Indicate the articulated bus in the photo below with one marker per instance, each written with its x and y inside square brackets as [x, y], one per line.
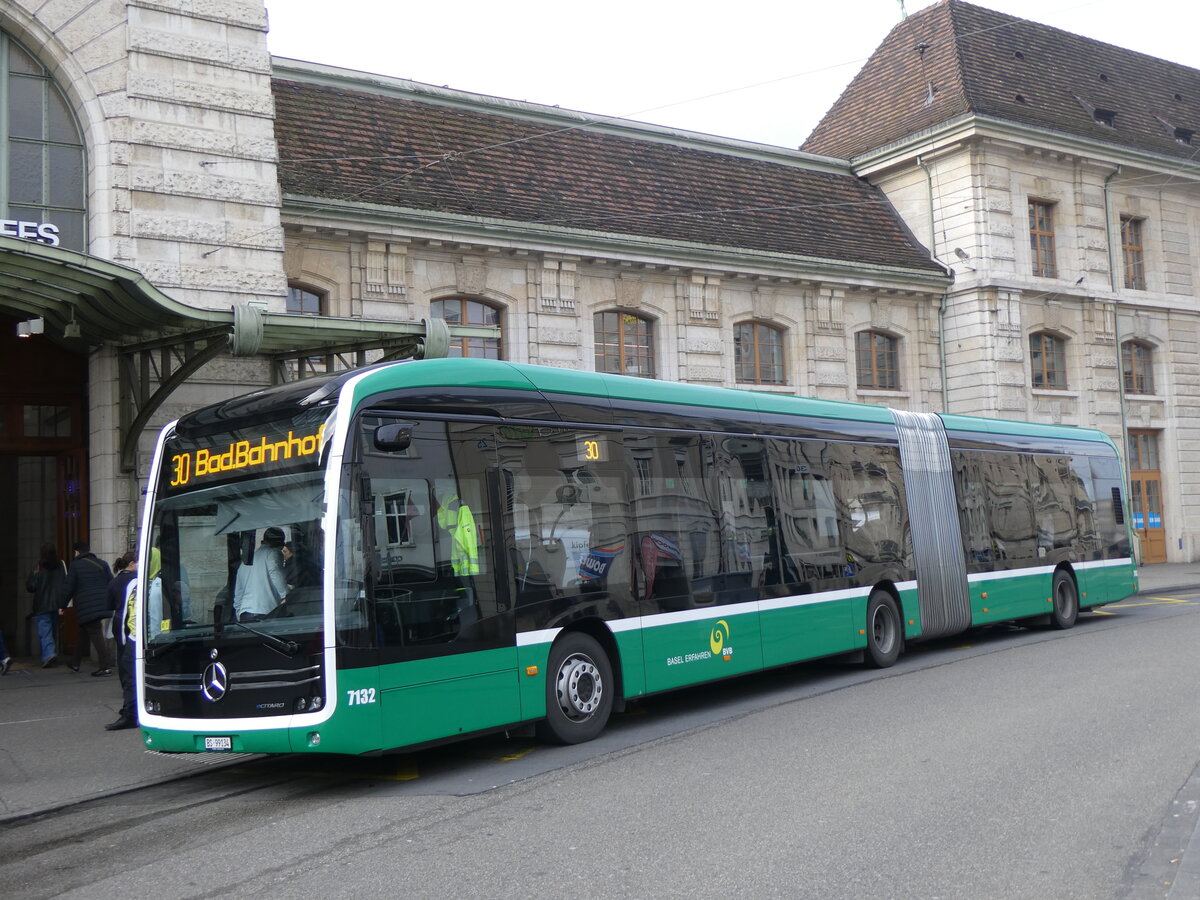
[475, 544]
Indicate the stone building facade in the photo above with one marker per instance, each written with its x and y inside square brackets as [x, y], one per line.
[1057, 176]
[222, 219]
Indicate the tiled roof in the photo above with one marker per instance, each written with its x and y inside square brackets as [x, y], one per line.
[978, 61]
[472, 159]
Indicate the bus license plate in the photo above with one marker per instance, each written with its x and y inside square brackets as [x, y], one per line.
[218, 743]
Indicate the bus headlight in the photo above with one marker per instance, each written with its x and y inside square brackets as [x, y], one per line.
[301, 704]
[316, 703]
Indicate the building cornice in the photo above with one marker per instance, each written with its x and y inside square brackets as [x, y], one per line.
[964, 128]
[510, 234]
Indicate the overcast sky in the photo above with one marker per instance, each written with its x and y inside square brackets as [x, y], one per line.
[759, 70]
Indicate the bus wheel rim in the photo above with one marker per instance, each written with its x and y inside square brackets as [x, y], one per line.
[579, 687]
[1062, 599]
[883, 628]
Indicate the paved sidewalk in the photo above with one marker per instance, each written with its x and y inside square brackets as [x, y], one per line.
[54, 750]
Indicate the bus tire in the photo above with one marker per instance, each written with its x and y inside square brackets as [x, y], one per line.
[579, 690]
[884, 632]
[1065, 599]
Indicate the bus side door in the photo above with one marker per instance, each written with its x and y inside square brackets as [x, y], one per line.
[447, 655]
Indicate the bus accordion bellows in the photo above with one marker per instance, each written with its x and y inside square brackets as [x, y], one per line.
[416, 551]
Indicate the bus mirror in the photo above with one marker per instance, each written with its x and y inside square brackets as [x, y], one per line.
[393, 437]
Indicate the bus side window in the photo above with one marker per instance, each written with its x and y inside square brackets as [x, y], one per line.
[1108, 489]
[1053, 503]
[809, 540]
[565, 520]
[973, 514]
[1009, 508]
[428, 521]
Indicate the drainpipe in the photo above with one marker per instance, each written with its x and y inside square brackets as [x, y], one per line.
[1112, 280]
[946, 295]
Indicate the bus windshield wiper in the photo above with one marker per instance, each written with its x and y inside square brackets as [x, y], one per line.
[287, 648]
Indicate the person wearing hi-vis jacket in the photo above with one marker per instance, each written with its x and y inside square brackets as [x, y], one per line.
[456, 517]
[457, 520]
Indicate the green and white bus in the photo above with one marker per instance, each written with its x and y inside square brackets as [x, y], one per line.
[474, 544]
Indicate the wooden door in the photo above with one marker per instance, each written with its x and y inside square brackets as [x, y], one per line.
[1146, 500]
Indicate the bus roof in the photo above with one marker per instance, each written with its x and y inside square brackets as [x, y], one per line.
[484, 373]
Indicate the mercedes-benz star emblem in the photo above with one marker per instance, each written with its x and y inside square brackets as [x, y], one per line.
[215, 682]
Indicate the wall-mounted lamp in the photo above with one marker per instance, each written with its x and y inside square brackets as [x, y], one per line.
[963, 255]
[31, 327]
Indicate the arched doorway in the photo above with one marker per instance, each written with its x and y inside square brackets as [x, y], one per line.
[43, 466]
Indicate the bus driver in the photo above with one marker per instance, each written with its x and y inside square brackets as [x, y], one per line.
[261, 584]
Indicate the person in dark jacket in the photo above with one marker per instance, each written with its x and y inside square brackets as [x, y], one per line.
[118, 599]
[87, 587]
[46, 584]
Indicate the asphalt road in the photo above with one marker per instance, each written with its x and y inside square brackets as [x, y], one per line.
[1004, 763]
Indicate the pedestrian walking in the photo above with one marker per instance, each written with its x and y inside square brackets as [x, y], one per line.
[87, 588]
[46, 583]
[5, 659]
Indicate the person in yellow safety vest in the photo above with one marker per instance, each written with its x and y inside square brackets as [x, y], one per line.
[456, 517]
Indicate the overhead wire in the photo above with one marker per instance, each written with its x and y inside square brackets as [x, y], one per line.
[445, 157]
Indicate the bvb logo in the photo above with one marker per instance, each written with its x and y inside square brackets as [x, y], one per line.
[716, 640]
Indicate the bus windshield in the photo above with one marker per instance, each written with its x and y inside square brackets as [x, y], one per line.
[231, 549]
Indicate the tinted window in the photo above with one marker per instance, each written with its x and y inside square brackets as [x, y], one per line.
[567, 543]
[428, 535]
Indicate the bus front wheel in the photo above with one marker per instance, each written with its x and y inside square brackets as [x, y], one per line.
[1066, 601]
[884, 633]
[579, 690]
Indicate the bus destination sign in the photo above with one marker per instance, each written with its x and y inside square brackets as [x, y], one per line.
[243, 456]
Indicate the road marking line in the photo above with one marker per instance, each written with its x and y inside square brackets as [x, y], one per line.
[1155, 601]
[518, 755]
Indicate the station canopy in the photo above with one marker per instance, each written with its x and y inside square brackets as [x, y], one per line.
[85, 300]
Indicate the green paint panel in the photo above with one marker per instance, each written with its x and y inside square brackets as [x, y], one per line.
[426, 712]
[443, 668]
[354, 726]
[690, 652]
[910, 610]
[465, 374]
[1109, 584]
[633, 664]
[1028, 429]
[1020, 596]
[532, 688]
[427, 699]
[804, 632]
[443, 372]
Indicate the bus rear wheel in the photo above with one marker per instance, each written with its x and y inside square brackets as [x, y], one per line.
[884, 634]
[579, 690]
[1066, 601]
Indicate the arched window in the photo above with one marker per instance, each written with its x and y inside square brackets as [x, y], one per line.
[624, 344]
[1137, 367]
[877, 359]
[42, 153]
[758, 353]
[1048, 361]
[303, 302]
[461, 311]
